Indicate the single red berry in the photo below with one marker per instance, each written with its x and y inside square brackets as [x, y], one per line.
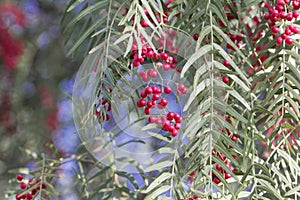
[227, 176]
[156, 56]
[152, 73]
[164, 56]
[177, 126]
[295, 14]
[149, 104]
[177, 117]
[218, 167]
[142, 102]
[148, 90]
[150, 54]
[147, 111]
[151, 119]
[166, 66]
[216, 180]
[164, 102]
[196, 36]
[135, 63]
[155, 97]
[29, 196]
[184, 90]
[144, 23]
[170, 116]
[143, 94]
[167, 89]
[225, 79]
[278, 40]
[275, 29]
[287, 31]
[289, 41]
[180, 87]
[19, 177]
[23, 185]
[174, 133]
[233, 138]
[289, 16]
[226, 63]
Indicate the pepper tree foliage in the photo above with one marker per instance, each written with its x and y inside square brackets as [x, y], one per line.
[250, 135]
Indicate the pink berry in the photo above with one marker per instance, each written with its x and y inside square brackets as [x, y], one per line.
[170, 116]
[177, 126]
[225, 79]
[184, 90]
[152, 73]
[164, 56]
[19, 177]
[167, 89]
[287, 31]
[289, 41]
[295, 14]
[275, 29]
[289, 16]
[144, 23]
[216, 180]
[135, 63]
[23, 185]
[148, 90]
[278, 40]
[147, 111]
[156, 56]
[158, 121]
[143, 94]
[174, 133]
[227, 176]
[164, 102]
[166, 66]
[180, 87]
[150, 54]
[196, 36]
[155, 97]
[226, 63]
[151, 119]
[142, 102]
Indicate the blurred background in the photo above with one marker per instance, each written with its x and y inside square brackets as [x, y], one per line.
[36, 85]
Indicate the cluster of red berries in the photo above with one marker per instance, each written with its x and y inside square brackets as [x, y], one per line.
[33, 185]
[170, 122]
[151, 96]
[283, 10]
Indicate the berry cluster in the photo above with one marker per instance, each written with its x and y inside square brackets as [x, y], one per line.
[33, 184]
[283, 10]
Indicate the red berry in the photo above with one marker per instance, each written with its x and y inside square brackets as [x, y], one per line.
[147, 111]
[150, 54]
[218, 167]
[227, 176]
[142, 102]
[164, 102]
[23, 185]
[275, 29]
[149, 104]
[144, 23]
[289, 41]
[233, 138]
[155, 97]
[135, 63]
[151, 119]
[180, 87]
[177, 126]
[177, 117]
[225, 79]
[143, 94]
[216, 180]
[170, 116]
[174, 133]
[167, 89]
[196, 36]
[19, 177]
[226, 63]
[152, 73]
[156, 56]
[289, 16]
[278, 40]
[166, 66]
[164, 56]
[148, 90]
[287, 31]
[184, 90]
[295, 14]
[29, 196]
